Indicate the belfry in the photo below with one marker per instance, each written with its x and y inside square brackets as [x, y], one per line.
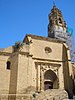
[56, 22]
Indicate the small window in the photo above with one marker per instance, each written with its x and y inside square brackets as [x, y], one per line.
[48, 50]
[8, 64]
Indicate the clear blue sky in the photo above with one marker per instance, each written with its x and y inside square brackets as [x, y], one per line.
[19, 17]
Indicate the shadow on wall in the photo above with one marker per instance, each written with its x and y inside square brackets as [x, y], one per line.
[73, 85]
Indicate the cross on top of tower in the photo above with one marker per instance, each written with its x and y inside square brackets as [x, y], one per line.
[53, 2]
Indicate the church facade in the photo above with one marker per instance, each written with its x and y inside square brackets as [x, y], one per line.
[39, 62]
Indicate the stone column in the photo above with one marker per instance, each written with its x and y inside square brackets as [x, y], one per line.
[42, 80]
[61, 78]
[38, 77]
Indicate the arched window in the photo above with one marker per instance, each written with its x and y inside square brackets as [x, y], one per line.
[8, 65]
[60, 21]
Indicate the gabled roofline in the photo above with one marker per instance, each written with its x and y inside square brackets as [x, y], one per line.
[43, 38]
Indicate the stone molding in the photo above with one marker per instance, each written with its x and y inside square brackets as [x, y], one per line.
[47, 59]
[5, 53]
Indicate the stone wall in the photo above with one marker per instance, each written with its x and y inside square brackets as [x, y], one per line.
[4, 75]
[54, 94]
[37, 49]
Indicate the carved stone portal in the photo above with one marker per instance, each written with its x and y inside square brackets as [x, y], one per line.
[46, 76]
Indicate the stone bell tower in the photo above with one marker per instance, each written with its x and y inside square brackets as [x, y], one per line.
[56, 23]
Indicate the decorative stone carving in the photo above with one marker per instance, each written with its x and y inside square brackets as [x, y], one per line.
[41, 69]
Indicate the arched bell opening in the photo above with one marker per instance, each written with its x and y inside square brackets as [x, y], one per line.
[50, 80]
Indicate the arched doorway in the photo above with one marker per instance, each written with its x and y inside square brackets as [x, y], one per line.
[50, 80]
[48, 85]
